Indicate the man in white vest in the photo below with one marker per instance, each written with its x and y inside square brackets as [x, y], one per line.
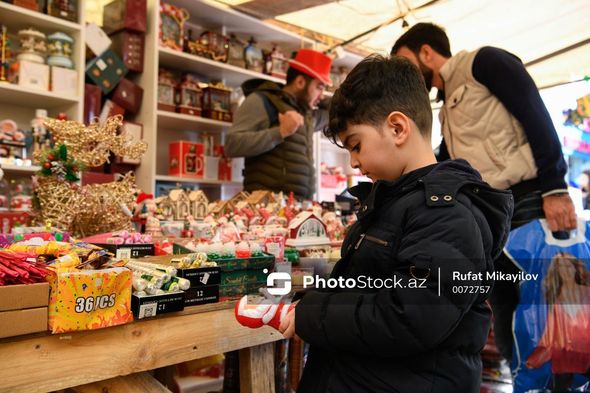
[493, 116]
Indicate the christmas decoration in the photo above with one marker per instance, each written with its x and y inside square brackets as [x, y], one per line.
[92, 144]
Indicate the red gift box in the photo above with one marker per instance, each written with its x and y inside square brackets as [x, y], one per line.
[186, 159]
[110, 109]
[92, 102]
[224, 163]
[130, 47]
[125, 14]
[128, 95]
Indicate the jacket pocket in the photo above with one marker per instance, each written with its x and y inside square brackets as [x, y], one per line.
[494, 153]
[457, 96]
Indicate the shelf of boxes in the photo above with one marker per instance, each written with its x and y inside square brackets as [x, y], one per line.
[18, 103]
[20, 169]
[214, 70]
[180, 122]
[11, 94]
[163, 127]
[15, 17]
[188, 180]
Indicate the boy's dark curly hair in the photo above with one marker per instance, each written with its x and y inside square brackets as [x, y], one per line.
[376, 87]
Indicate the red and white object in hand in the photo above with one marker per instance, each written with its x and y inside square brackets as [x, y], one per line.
[260, 314]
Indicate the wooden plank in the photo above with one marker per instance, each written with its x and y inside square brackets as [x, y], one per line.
[257, 370]
[134, 383]
[47, 363]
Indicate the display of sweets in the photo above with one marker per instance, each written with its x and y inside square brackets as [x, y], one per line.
[193, 261]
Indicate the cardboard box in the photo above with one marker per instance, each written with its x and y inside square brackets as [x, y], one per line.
[16, 297]
[96, 39]
[110, 109]
[186, 159]
[92, 102]
[125, 14]
[134, 131]
[201, 295]
[130, 47]
[106, 70]
[64, 81]
[200, 277]
[126, 251]
[17, 322]
[33, 75]
[150, 306]
[128, 95]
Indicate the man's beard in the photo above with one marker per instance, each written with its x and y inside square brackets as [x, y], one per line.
[427, 74]
[303, 99]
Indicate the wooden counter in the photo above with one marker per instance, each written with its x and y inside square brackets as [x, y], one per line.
[45, 362]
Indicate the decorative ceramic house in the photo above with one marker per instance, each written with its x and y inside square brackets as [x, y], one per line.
[190, 96]
[261, 197]
[199, 202]
[307, 230]
[217, 46]
[166, 90]
[217, 102]
[165, 207]
[180, 203]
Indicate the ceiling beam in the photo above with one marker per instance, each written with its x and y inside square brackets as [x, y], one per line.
[268, 9]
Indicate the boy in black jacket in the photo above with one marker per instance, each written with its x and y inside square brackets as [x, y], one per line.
[426, 237]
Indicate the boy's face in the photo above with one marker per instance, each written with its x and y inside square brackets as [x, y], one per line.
[373, 151]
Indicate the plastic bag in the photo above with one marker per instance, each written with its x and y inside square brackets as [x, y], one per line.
[552, 320]
[89, 299]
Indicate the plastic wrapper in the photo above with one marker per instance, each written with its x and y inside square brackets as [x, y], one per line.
[552, 320]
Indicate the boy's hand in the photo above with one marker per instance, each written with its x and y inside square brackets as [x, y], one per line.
[287, 326]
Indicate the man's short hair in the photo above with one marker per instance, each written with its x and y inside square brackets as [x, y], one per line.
[292, 73]
[376, 87]
[424, 33]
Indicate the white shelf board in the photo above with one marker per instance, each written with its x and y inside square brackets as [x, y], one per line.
[18, 18]
[233, 76]
[11, 94]
[20, 168]
[181, 122]
[214, 15]
[180, 179]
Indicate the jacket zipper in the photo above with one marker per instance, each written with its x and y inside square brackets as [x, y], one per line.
[371, 239]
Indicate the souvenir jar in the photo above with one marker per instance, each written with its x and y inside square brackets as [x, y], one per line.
[253, 57]
[60, 46]
[32, 46]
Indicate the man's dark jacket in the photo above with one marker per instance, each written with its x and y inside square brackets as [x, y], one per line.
[428, 224]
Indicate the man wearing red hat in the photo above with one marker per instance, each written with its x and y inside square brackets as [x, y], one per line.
[273, 128]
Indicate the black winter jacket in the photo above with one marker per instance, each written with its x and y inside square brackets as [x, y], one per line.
[424, 226]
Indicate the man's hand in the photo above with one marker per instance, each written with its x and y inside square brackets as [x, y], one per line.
[287, 326]
[559, 212]
[289, 122]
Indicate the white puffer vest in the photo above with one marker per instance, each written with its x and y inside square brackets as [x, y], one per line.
[478, 128]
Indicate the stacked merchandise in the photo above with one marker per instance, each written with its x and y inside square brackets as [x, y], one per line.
[118, 58]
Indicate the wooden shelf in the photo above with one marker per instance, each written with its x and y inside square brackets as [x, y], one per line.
[180, 179]
[214, 70]
[18, 18]
[52, 362]
[20, 168]
[180, 122]
[11, 94]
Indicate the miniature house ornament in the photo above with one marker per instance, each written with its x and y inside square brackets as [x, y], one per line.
[166, 91]
[190, 96]
[172, 21]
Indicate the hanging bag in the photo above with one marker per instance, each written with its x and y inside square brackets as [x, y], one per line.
[552, 320]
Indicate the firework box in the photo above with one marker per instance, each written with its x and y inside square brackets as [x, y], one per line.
[126, 251]
[152, 305]
[89, 299]
[195, 296]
